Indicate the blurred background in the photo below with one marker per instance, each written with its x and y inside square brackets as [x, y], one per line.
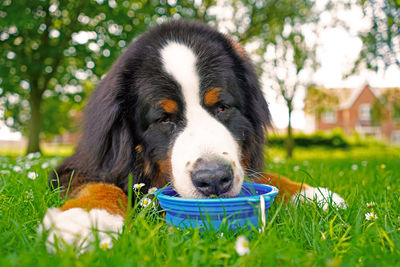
[330, 70]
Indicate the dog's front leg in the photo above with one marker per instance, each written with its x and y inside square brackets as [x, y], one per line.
[95, 212]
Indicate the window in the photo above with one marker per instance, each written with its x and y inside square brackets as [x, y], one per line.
[396, 137]
[396, 113]
[364, 112]
[329, 116]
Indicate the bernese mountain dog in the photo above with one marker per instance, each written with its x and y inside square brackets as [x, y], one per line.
[182, 105]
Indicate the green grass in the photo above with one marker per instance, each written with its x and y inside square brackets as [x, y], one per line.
[48, 149]
[295, 235]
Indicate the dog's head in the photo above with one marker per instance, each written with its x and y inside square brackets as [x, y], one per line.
[183, 104]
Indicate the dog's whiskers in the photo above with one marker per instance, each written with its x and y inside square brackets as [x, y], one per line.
[251, 173]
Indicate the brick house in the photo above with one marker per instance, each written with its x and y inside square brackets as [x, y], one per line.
[354, 113]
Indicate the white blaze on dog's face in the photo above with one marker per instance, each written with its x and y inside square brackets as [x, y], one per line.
[204, 137]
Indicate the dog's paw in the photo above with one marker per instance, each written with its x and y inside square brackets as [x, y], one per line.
[321, 196]
[79, 228]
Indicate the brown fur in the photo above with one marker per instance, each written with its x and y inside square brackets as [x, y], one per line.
[168, 105]
[287, 188]
[211, 97]
[98, 196]
[238, 48]
[165, 171]
[139, 149]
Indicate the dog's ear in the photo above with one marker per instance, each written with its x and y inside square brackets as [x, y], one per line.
[107, 141]
[256, 108]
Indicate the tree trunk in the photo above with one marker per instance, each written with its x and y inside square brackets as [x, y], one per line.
[289, 142]
[35, 121]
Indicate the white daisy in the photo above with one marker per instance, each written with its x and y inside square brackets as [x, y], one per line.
[354, 167]
[30, 155]
[106, 244]
[242, 245]
[17, 169]
[32, 175]
[145, 202]
[364, 163]
[45, 165]
[371, 204]
[138, 186]
[296, 168]
[4, 172]
[370, 216]
[152, 190]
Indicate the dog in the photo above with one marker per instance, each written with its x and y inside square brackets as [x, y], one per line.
[182, 105]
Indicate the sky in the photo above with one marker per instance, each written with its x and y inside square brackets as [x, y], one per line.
[338, 49]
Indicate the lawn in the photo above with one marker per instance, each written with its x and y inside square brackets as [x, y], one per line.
[301, 234]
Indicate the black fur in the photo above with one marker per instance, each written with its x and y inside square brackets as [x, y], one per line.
[122, 112]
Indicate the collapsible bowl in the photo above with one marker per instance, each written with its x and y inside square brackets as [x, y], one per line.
[217, 213]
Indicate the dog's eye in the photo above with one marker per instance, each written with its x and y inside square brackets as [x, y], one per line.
[165, 120]
[220, 108]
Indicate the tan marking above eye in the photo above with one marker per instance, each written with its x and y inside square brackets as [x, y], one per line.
[139, 148]
[168, 105]
[211, 97]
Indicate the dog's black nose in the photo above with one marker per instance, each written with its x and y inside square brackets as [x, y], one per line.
[212, 177]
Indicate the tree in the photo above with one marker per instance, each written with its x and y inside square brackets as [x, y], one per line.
[381, 43]
[262, 23]
[387, 107]
[286, 70]
[52, 52]
[318, 100]
[281, 54]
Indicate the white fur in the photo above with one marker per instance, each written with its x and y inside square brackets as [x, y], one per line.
[204, 136]
[322, 196]
[75, 227]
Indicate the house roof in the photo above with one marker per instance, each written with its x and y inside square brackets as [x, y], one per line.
[345, 97]
[348, 96]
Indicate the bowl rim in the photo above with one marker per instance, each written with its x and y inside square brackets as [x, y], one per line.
[274, 191]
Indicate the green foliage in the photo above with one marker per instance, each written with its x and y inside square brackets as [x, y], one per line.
[265, 20]
[378, 112]
[333, 139]
[391, 99]
[381, 41]
[301, 234]
[319, 100]
[387, 107]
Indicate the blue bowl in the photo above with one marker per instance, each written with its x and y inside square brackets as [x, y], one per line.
[217, 213]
